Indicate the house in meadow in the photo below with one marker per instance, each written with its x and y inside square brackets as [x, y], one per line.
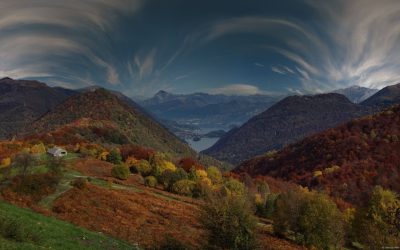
[57, 152]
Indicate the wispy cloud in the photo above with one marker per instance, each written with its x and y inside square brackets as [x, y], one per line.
[34, 41]
[353, 43]
[278, 70]
[237, 89]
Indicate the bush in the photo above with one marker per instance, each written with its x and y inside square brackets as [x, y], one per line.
[314, 218]
[184, 187]
[80, 183]
[142, 167]
[171, 243]
[150, 181]
[120, 172]
[230, 223]
[114, 157]
[17, 230]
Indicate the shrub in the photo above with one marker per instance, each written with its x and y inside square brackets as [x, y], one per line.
[171, 243]
[114, 157]
[80, 183]
[17, 230]
[150, 181]
[184, 187]
[120, 172]
[230, 223]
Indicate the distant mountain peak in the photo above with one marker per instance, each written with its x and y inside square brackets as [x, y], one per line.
[6, 79]
[356, 93]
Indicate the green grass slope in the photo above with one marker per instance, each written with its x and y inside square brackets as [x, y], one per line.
[51, 233]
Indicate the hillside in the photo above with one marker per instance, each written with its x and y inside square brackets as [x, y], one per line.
[347, 161]
[289, 120]
[22, 101]
[386, 97]
[54, 234]
[103, 109]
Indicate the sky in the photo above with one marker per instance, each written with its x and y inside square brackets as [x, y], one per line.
[239, 47]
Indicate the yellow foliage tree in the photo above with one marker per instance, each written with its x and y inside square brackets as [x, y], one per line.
[131, 161]
[38, 149]
[167, 165]
[5, 162]
[201, 174]
[103, 155]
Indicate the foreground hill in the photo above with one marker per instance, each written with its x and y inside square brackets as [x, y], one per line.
[289, 120]
[122, 123]
[51, 233]
[22, 101]
[386, 97]
[347, 161]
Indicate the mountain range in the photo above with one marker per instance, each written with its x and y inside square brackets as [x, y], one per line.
[201, 110]
[23, 101]
[287, 121]
[346, 161]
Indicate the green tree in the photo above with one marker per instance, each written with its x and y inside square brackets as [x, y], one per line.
[114, 157]
[143, 167]
[372, 224]
[235, 187]
[229, 221]
[24, 162]
[150, 181]
[120, 172]
[184, 187]
[315, 219]
[169, 177]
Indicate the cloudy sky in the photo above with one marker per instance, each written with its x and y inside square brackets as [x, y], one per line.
[235, 47]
